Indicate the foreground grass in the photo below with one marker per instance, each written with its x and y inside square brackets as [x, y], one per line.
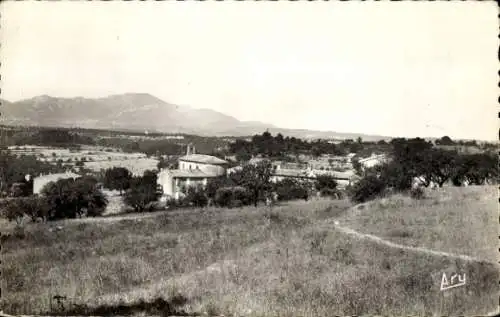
[452, 219]
[248, 261]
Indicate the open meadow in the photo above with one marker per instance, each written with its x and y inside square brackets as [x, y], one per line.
[460, 220]
[288, 260]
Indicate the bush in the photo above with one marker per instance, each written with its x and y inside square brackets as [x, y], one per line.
[195, 196]
[142, 192]
[232, 197]
[369, 187]
[289, 189]
[325, 181]
[417, 193]
[19, 208]
[223, 197]
[331, 192]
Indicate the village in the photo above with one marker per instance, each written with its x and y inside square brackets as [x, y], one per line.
[193, 169]
[249, 158]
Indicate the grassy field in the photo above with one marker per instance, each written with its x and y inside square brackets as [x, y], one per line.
[250, 261]
[452, 219]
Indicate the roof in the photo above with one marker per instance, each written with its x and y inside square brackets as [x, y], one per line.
[202, 158]
[373, 157]
[194, 173]
[338, 175]
[313, 174]
[293, 173]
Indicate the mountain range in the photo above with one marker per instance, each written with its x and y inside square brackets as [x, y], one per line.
[139, 112]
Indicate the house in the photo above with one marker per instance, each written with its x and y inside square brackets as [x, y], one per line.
[194, 169]
[343, 179]
[280, 174]
[373, 160]
[42, 180]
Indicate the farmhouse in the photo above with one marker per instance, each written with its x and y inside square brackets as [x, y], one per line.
[194, 169]
[42, 180]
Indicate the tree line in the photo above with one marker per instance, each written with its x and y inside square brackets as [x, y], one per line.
[83, 197]
[418, 160]
[281, 147]
[13, 170]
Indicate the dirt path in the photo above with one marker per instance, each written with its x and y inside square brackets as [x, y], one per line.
[390, 244]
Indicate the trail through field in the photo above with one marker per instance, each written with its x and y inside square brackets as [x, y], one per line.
[390, 244]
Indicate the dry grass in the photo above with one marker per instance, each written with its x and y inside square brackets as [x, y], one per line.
[247, 261]
[451, 219]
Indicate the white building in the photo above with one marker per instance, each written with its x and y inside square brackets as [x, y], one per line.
[42, 180]
[373, 160]
[194, 169]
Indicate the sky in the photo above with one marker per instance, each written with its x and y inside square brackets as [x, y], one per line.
[395, 69]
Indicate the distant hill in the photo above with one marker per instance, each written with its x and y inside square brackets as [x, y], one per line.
[140, 111]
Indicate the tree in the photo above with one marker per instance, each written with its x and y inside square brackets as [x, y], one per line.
[33, 207]
[439, 165]
[326, 185]
[409, 159]
[289, 189]
[395, 175]
[356, 165]
[369, 187]
[445, 140]
[256, 178]
[215, 183]
[382, 142]
[475, 169]
[14, 169]
[70, 198]
[142, 192]
[117, 178]
[243, 156]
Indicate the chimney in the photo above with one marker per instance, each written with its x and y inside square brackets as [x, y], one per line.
[188, 150]
[193, 149]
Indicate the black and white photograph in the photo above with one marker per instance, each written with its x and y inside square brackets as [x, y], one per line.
[249, 158]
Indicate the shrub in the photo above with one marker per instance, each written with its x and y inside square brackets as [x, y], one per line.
[331, 192]
[19, 208]
[232, 197]
[223, 197]
[326, 185]
[289, 189]
[196, 197]
[325, 181]
[417, 193]
[369, 187]
[142, 191]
